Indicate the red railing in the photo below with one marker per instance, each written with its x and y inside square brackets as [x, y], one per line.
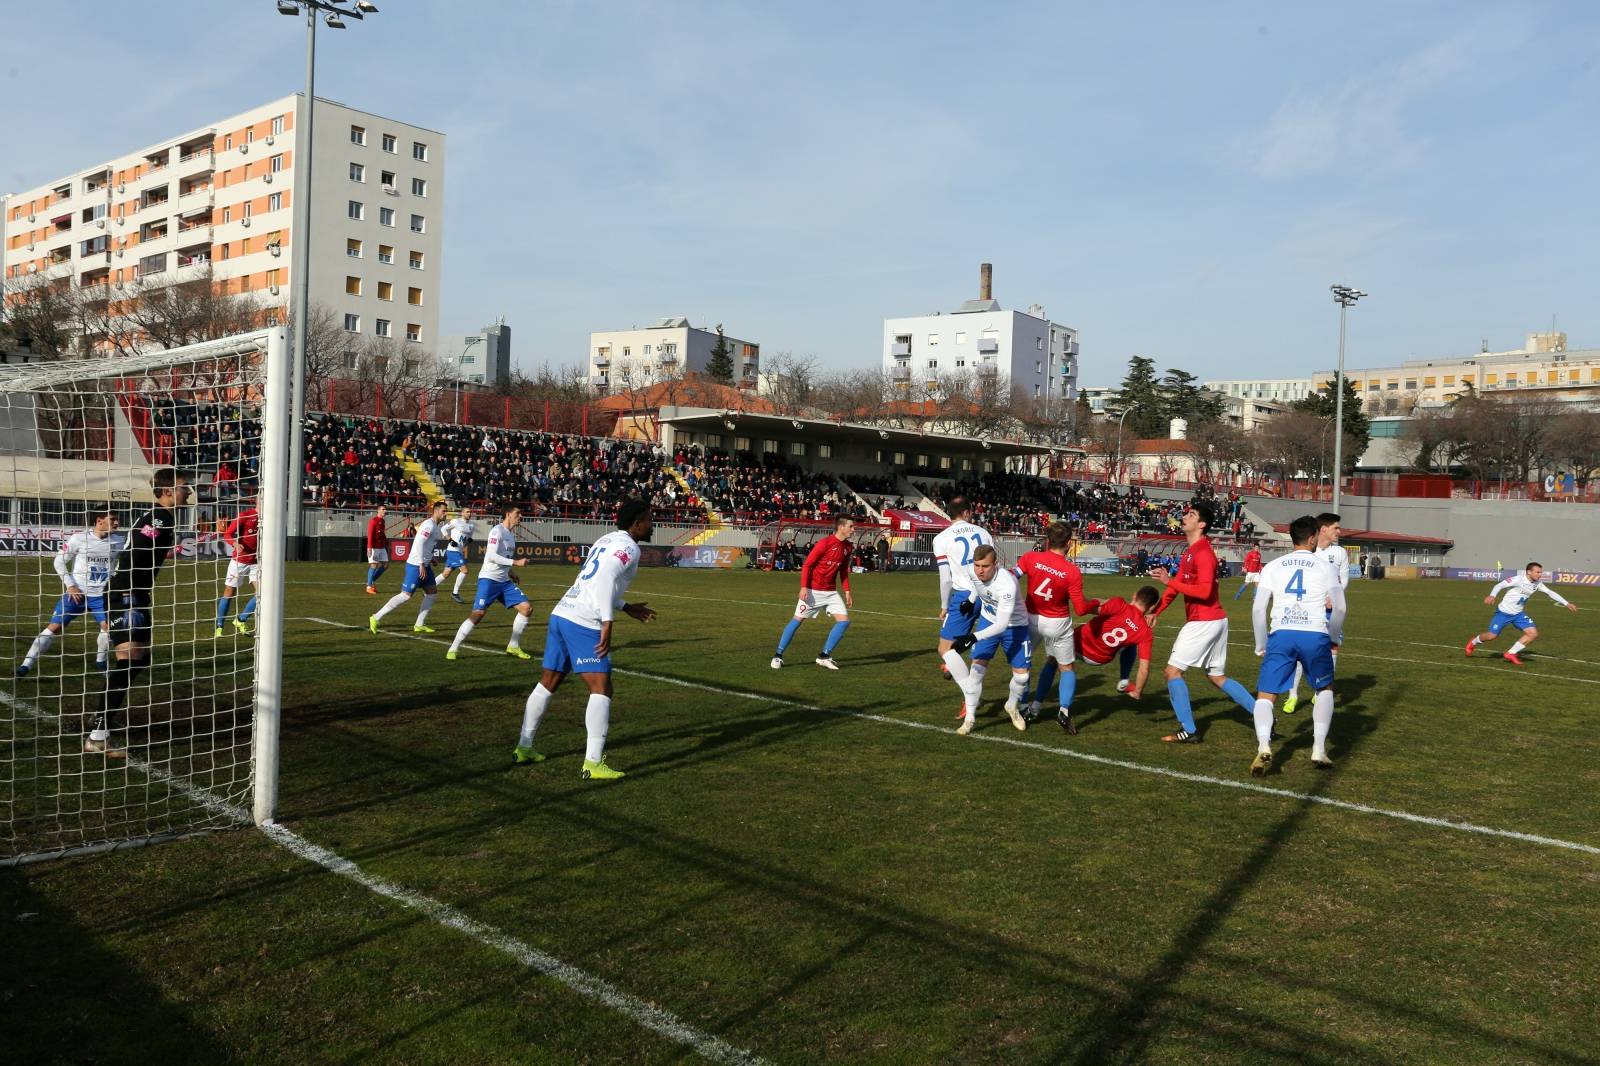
[463, 407]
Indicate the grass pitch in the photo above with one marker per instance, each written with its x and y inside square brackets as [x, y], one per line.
[794, 868]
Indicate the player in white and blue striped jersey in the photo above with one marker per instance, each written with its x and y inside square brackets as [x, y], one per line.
[1293, 601]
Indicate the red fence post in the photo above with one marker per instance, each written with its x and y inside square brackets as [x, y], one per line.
[505, 418]
[547, 415]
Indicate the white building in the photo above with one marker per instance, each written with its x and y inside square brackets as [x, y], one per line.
[1038, 356]
[1098, 397]
[221, 196]
[1543, 367]
[1274, 390]
[635, 358]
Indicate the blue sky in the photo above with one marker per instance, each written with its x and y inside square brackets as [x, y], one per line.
[1176, 180]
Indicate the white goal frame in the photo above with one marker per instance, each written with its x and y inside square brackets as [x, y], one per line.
[271, 346]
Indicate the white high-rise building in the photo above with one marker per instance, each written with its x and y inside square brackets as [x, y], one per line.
[220, 197]
[670, 348]
[1039, 357]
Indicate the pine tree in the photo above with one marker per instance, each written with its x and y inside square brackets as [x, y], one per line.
[1141, 392]
[1357, 426]
[719, 367]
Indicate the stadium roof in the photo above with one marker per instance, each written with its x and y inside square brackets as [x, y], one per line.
[1379, 536]
[821, 429]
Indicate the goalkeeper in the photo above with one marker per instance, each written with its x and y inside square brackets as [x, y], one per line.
[151, 537]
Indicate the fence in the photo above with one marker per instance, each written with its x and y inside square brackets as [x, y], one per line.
[466, 407]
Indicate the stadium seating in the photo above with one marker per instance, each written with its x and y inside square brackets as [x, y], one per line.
[751, 491]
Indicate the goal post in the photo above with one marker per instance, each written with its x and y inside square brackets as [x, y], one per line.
[141, 663]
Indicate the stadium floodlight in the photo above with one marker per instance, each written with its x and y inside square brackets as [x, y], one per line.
[191, 725]
[1345, 297]
[367, 6]
[300, 253]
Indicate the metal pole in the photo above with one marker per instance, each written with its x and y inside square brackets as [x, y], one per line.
[1338, 413]
[275, 483]
[300, 267]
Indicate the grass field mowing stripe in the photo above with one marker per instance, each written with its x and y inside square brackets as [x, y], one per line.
[1123, 764]
[645, 1014]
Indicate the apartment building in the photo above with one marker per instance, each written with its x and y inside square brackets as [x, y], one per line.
[1273, 390]
[481, 358]
[1039, 357]
[221, 196]
[670, 348]
[1543, 367]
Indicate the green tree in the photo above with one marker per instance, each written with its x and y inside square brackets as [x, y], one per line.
[1357, 426]
[1185, 399]
[1141, 395]
[719, 367]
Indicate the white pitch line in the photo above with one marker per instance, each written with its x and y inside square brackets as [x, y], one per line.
[586, 985]
[1123, 764]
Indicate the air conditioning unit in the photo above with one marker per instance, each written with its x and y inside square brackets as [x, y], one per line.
[244, 149]
[270, 139]
[101, 224]
[267, 178]
[30, 246]
[122, 186]
[273, 289]
[121, 221]
[245, 222]
[32, 217]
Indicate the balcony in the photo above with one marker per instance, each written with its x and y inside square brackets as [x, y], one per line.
[900, 374]
[900, 349]
[202, 161]
[988, 344]
[668, 358]
[602, 359]
[148, 201]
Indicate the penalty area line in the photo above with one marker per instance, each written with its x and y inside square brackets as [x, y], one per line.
[586, 985]
[1069, 753]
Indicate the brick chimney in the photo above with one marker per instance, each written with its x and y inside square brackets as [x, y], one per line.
[986, 281]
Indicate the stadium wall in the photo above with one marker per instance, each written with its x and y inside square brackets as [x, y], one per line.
[1487, 533]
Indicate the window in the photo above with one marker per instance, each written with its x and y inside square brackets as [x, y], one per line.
[352, 286]
[416, 260]
[419, 151]
[349, 360]
[275, 201]
[741, 444]
[388, 143]
[386, 179]
[1038, 344]
[413, 332]
[1411, 384]
[1449, 380]
[358, 135]
[769, 447]
[277, 125]
[933, 339]
[960, 363]
[381, 327]
[385, 290]
[414, 296]
[358, 172]
[245, 209]
[669, 349]
[647, 349]
[1037, 366]
[419, 187]
[961, 337]
[385, 253]
[824, 451]
[933, 364]
[227, 142]
[797, 447]
[356, 210]
[226, 250]
[352, 248]
[275, 164]
[944, 462]
[153, 264]
[352, 323]
[419, 224]
[899, 458]
[386, 216]
[250, 135]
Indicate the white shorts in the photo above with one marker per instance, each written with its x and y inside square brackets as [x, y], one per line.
[238, 573]
[1203, 644]
[377, 555]
[1054, 635]
[1252, 577]
[815, 601]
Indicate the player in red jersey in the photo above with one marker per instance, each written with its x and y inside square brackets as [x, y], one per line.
[1252, 571]
[241, 535]
[1122, 629]
[377, 550]
[828, 562]
[1055, 592]
[1203, 640]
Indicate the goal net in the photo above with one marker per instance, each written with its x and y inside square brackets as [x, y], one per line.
[128, 630]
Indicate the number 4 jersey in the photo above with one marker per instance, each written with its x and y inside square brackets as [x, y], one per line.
[1300, 587]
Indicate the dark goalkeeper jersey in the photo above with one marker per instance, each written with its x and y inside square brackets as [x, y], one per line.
[150, 538]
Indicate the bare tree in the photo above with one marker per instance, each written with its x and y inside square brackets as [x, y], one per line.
[788, 381]
[1574, 443]
[326, 345]
[1292, 443]
[152, 312]
[1217, 448]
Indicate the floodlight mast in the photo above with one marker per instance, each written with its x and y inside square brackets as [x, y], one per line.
[300, 261]
[1345, 297]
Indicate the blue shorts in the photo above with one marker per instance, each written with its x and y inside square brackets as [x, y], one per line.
[1285, 648]
[956, 624]
[1501, 620]
[1013, 640]
[454, 560]
[417, 575]
[66, 610]
[492, 591]
[570, 648]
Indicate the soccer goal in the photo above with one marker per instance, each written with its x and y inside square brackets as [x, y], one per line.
[126, 486]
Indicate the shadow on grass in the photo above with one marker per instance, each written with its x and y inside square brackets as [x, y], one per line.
[69, 999]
